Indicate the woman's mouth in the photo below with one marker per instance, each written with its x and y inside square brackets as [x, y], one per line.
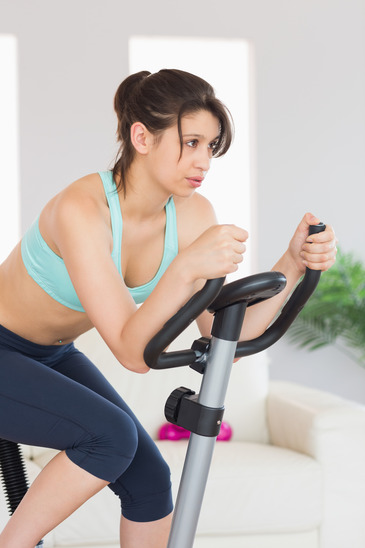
[195, 182]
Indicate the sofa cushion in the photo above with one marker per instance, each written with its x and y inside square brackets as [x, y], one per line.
[252, 489]
[255, 488]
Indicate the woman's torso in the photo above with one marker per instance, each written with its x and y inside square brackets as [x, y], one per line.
[28, 310]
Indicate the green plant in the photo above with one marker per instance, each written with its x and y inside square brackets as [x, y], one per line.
[335, 314]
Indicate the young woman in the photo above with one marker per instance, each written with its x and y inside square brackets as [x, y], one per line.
[111, 240]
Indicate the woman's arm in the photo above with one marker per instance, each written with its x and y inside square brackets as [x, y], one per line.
[83, 238]
[318, 252]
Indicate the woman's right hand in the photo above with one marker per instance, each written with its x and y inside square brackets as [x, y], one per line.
[215, 253]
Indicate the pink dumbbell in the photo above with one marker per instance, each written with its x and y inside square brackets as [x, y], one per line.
[173, 432]
[225, 433]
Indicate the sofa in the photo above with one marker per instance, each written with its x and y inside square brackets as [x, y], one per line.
[291, 476]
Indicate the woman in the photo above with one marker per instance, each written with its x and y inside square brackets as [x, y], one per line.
[111, 240]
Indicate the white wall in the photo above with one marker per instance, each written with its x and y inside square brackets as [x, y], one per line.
[9, 146]
[310, 114]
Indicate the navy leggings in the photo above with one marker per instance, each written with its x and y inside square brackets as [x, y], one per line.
[53, 396]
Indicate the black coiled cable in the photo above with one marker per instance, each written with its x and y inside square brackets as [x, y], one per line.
[13, 474]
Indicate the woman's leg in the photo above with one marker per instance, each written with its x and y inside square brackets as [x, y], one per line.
[145, 487]
[40, 510]
[59, 490]
[40, 406]
[144, 491]
[153, 534]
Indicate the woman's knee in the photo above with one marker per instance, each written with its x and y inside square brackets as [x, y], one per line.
[106, 449]
[145, 488]
[152, 500]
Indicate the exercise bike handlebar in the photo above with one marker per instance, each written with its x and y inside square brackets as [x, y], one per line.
[289, 312]
[154, 354]
[213, 296]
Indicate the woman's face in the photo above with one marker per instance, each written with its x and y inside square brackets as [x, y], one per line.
[183, 175]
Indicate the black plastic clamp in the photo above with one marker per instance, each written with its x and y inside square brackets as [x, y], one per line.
[182, 408]
[200, 347]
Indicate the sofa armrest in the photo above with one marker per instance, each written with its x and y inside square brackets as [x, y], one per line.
[332, 431]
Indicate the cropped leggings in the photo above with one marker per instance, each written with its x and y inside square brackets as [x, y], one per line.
[53, 396]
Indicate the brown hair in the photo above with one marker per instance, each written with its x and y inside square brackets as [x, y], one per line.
[159, 101]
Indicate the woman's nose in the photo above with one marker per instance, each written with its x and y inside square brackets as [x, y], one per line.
[202, 160]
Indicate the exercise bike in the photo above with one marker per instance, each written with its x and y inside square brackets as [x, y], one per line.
[202, 413]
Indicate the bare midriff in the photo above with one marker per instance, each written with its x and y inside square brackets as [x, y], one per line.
[27, 310]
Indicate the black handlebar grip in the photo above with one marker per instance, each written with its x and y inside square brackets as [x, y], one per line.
[154, 354]
[315, 229]
[289, 312]
[311, 277]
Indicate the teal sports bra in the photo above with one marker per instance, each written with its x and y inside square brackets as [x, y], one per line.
[49, 271]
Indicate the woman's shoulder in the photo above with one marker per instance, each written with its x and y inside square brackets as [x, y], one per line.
[195, 205]
[84, 199]
[194, 215]
[89, 185]
[80, 208]
[85, 193]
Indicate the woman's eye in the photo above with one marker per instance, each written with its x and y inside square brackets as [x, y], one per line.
[192, 143]
[213, 145]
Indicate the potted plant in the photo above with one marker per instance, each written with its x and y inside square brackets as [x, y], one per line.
[335, 314]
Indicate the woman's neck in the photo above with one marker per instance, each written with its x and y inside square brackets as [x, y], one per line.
[143, 199]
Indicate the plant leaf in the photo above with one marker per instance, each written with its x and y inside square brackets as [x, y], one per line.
[336, 311]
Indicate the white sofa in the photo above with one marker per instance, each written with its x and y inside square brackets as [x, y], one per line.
[293, 475]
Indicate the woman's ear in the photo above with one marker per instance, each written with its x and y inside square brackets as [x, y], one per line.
[140, 137]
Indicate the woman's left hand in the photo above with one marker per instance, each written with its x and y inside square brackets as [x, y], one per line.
[317, 251]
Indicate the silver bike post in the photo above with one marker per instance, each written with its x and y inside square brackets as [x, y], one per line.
[200, 449]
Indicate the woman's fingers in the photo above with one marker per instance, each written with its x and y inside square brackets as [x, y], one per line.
[319, 251]
[219, 250]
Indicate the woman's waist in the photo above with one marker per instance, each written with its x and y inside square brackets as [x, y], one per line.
[39, 322]
[48, 354]
[43, 328]
[26, 309]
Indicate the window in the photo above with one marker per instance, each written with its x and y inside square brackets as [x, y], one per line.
[9, 160]
[225, 64]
